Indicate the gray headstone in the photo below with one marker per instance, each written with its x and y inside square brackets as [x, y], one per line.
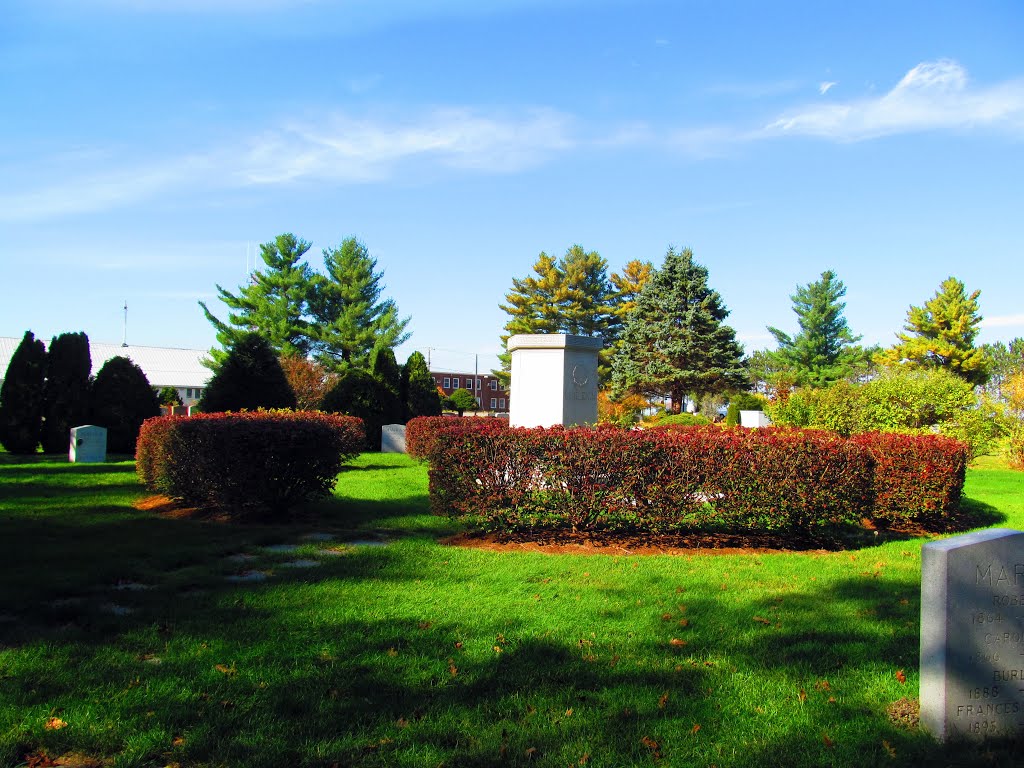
[88, 444]
[972, 635]
[392, 438]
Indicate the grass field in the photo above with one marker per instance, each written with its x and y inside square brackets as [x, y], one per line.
[131, 638]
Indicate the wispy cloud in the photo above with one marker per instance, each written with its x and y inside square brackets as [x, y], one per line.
[825, 87]
[933, 95]
[1003, 321]
[333, 148]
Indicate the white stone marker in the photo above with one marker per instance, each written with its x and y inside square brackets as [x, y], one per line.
[88, 444]
[754, 419]
[554, 380]
[972, 635]
[392, 438]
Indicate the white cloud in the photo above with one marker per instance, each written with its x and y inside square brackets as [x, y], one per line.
[933, 95]
[1003, 321]
[335, 148]
[826, 87]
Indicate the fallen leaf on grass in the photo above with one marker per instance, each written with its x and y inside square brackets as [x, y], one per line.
[402, 722]
[653, 746]
[663, 701]
[822, 685]
[889, 749]
[802, 695]
[392, 652]
[226, 670]
[676, 642]
[55, 724]
[901, 677]
[696, 727]
[826, 740]
[761, 620]
[452, 669]
[531, 753]
[425, 625]
[498, 649]
[666, 617]
[568, 712]
[458, 645]
[584, 759]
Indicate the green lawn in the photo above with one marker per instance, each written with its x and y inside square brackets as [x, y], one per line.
[123, 640]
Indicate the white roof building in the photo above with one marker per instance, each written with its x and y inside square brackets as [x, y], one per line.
[164, 367]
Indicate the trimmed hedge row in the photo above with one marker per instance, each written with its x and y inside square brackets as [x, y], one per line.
[247, 461]
[688, 479]
[421, 433]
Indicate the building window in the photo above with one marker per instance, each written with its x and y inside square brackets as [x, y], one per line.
[447, 382]
[199, 392]
[455, 382]
[494, 403]
[493, 385]
[188, 393]
[501, 403]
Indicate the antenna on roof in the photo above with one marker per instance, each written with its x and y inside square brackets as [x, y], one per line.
[124, 338]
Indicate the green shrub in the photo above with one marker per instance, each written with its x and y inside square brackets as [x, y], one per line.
[250, 462]
[359, 394]
[742, 401]
[122, 399]
[250, 377]
[21, 396]
[169, 396]
[66, 393]
[681, 420]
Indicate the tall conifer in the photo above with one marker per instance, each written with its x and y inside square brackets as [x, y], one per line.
[66, 393]
[675, 342]
[21, 396]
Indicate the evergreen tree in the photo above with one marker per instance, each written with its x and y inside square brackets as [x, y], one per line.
[570, 295]
[418, 388]
[384, 368]
[66, 393]
[357, 393]
[250, 377]
[274, 304]
[461, 400]
[1003, 361]
[941, 334]
[122, 398]
[674, 342]
[169, 396]
[824, 351]
[628, 285]
[21, 396]
[350, 319]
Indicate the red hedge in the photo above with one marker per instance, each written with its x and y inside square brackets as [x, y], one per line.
[421, 432]
[670, 480]
[246, 461]
[915, 476]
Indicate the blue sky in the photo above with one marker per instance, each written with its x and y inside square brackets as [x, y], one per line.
[146, 146]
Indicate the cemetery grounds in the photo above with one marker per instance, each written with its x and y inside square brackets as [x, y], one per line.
[354, 636]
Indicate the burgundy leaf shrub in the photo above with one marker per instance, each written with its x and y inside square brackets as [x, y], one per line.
[705, 478]
[914, 476]
[421, 432]
[247, 461]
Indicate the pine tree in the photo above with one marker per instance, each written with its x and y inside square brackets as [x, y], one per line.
[350, 319]
[941, 334]
[250, 377]
[274, 304]
[21, 396]
[572, 295]
[418, 389]
[674, 342]
[66, 393]
[628, 285]
[122, 399]
[824, 351]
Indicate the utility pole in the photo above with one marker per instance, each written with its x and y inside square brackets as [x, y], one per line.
[124, 337]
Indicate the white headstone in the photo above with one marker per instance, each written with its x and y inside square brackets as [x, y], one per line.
[554, 380]
[754, 419]
[88, 444]
[972, 635]
[392, 438]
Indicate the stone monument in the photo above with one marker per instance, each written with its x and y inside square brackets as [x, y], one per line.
[754, 419]
[972, 636]
[554, 380]
[88, 444]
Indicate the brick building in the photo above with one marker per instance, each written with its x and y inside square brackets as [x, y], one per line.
[490, 395]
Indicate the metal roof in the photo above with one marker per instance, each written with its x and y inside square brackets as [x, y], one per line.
[163, 366]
